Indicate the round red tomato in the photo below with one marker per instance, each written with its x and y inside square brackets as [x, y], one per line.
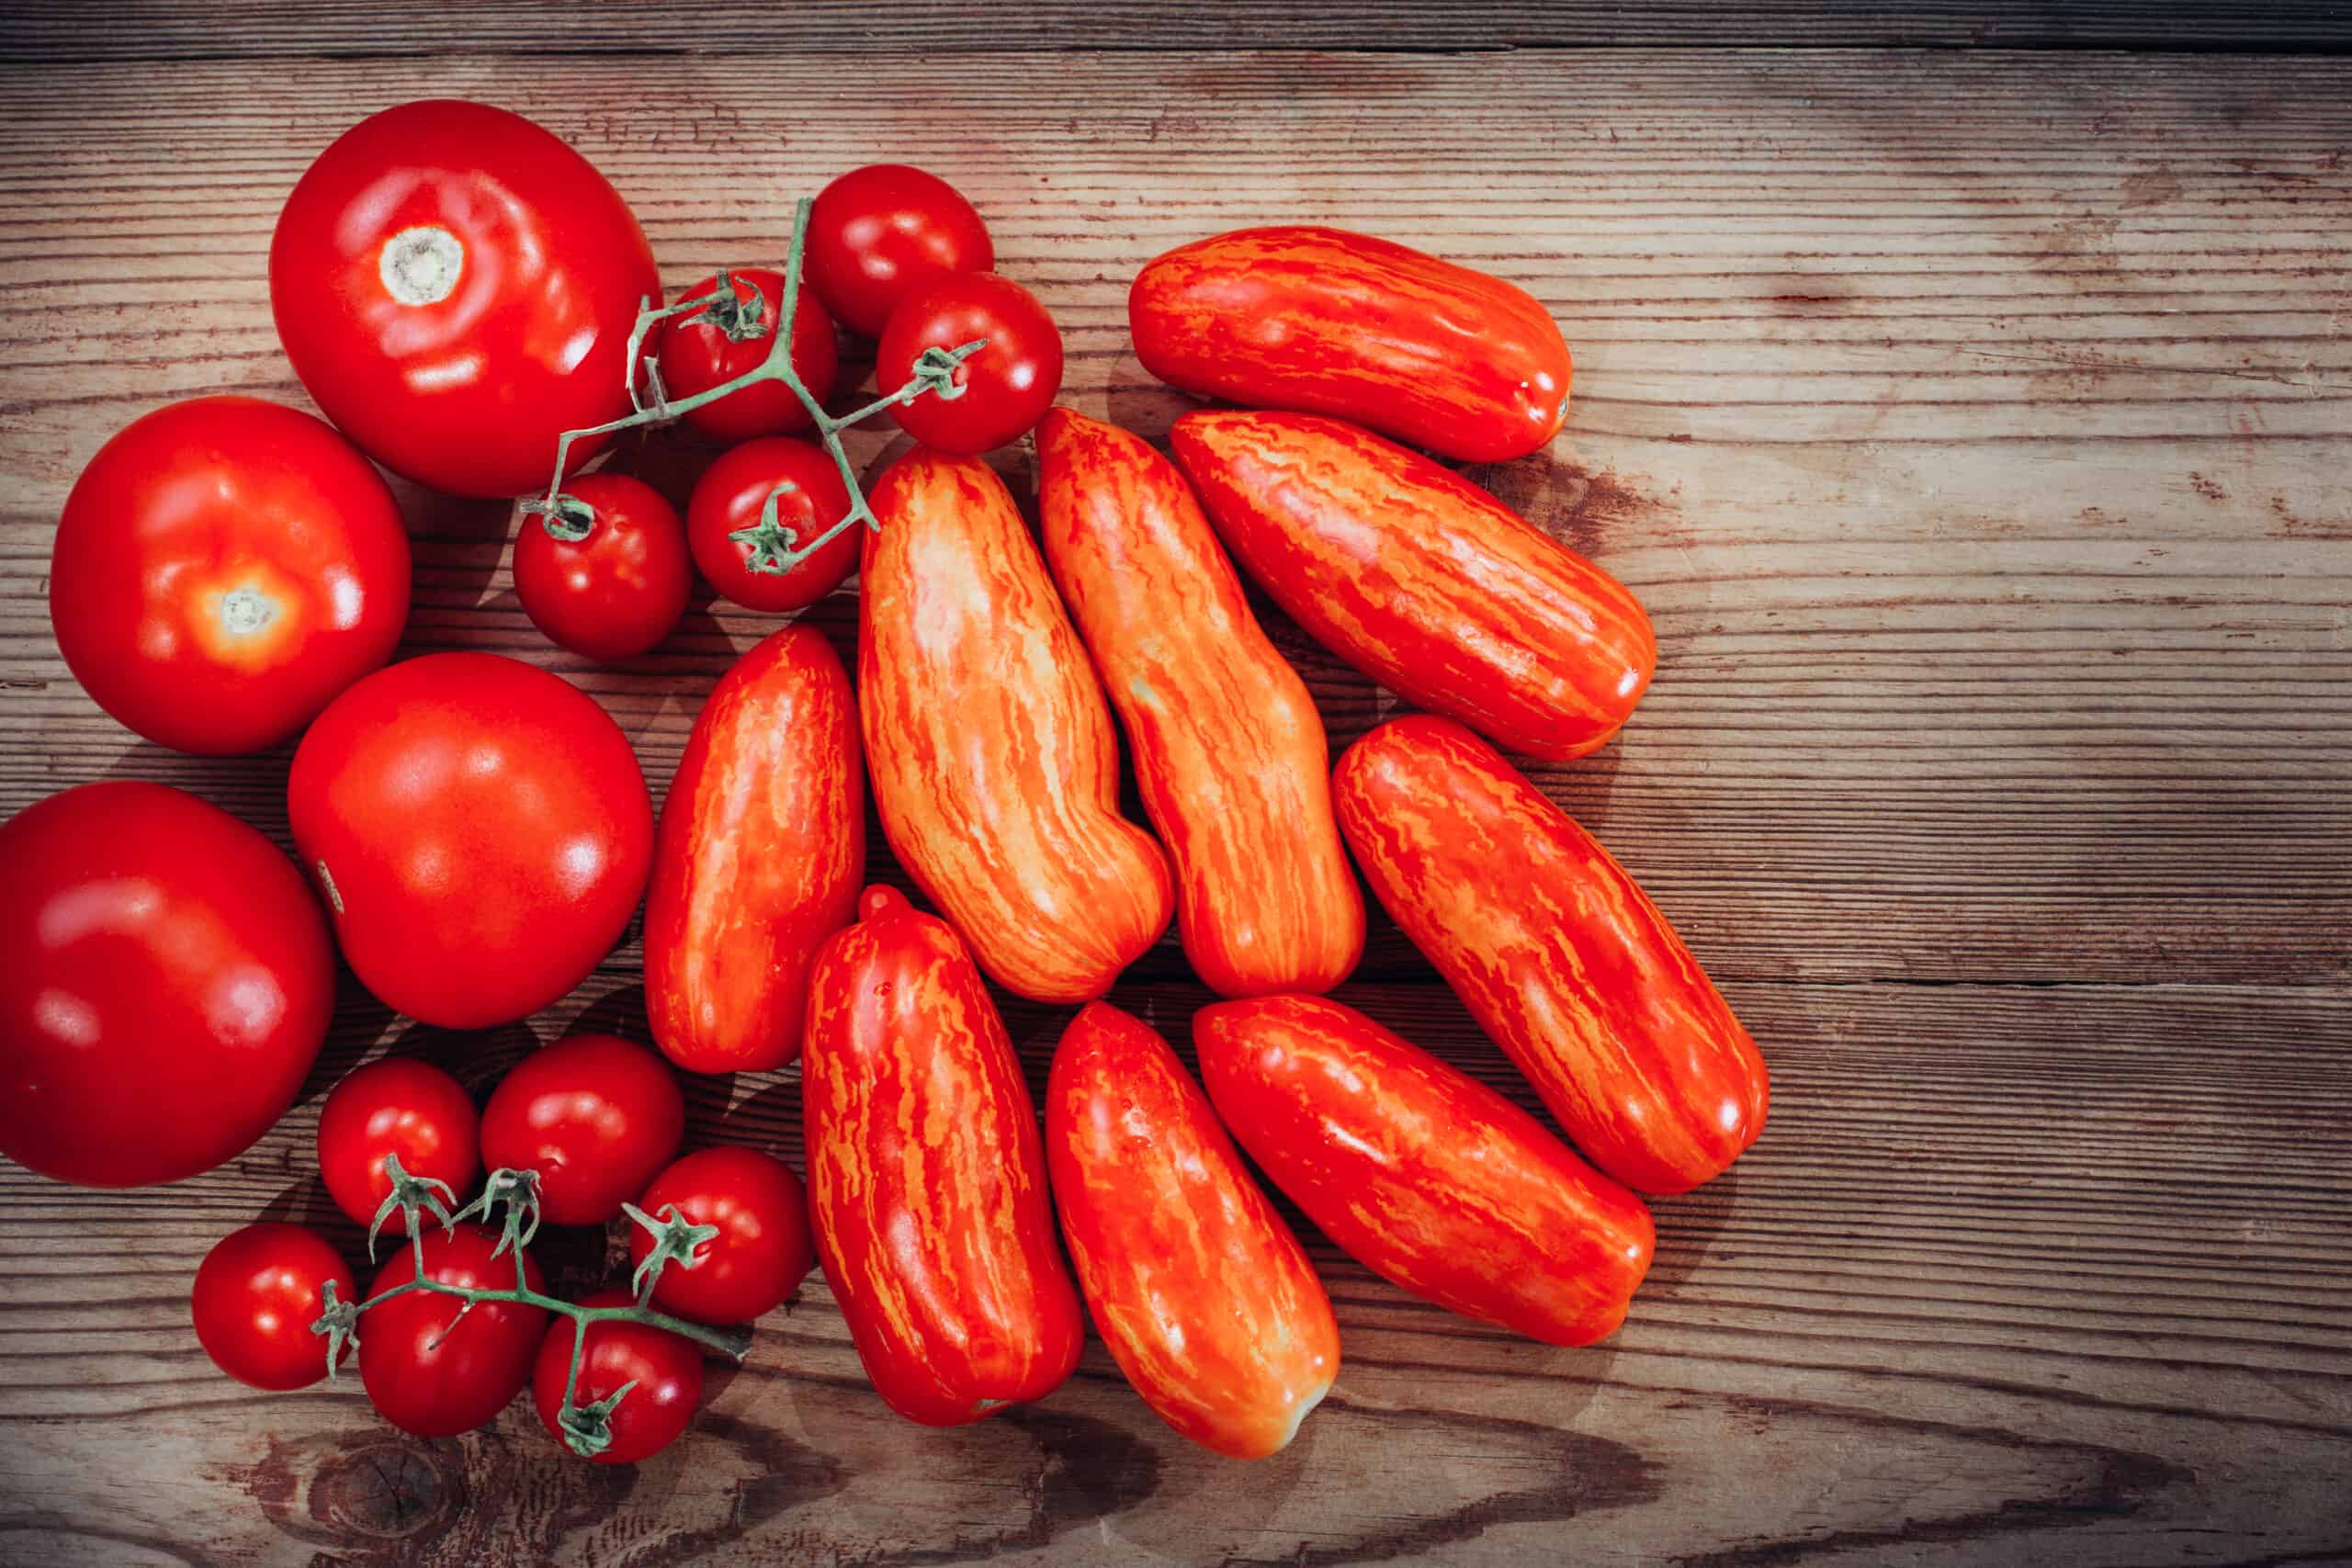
[616, 592]
[876, 235]
[165, 982]
[396, 1106]
[455, 288]
[661, 1371]
[1007, 386]
[427, 1372]
[698, 352]
[481, 830]
[594, 1115]
[223, 568]
[257, 1294]
[728, 500]
[762, 1251]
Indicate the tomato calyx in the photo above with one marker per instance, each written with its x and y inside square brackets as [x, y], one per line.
[587, 1428]
[571, 519]
[675, 1239]
[410, 1196]
[740, 318]
[772, 542]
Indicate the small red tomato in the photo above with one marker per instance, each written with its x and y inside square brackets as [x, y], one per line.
[661, 1371]
[223, 568]
[762, 1248]
[620, 588]
[877, 235]
[703, 350]
[594, 1115]
[426, 1371]
[257, 1294]
[1006, 386]
[396, 1106]
[810, 498]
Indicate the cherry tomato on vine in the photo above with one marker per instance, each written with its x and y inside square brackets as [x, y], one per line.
[222, 568]
[699, 351]
[661, 1371]
[255, 1296]
[1007, 386]
[396, 1106]
[457, 287]
[166, 983]
[762, 1249]
[596, 1115]
[727, 500]
[427, 1371]
[877, 235]
[619, 590]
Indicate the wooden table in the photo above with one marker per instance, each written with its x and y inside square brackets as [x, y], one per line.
[1978, 428]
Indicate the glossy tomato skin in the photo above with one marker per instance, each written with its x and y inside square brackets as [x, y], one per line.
[1007, 386]
[596, 1115]
[757, 857]
[455, 288]
[481, 830]
[615, 593]
[1556, 951]
[1421, 1173]
[255, 1296]
[222, 568]
[926, 1181]
[167, 983]
[428, 1373]
[877, 235]
[762, 1249]
[661, 1371]
[396, 1105]
[1422, 580]
[697, 355]
[1204, 1296]
[1322, 320]
[729, 498]
[1228, 748]
[996, 777]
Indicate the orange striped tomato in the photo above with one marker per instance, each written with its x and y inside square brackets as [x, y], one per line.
[762, 843]
[1228, 748]
[1327, 321]
[1204, 1297]
[1421, 1173]
[1422, 580]
[1556, 951]
[993, 758]
[926, 1180]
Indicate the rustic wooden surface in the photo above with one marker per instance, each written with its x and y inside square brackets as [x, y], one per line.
[1977, 429]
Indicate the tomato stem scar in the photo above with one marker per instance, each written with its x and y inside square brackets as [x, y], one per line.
[421, 265]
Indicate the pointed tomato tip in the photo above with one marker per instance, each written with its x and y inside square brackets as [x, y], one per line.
[880, 900]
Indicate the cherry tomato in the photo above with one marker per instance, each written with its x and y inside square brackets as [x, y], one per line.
[698, 353]
[876, 235]
[396, 1106]
[620, 589]
[426, 1371]
[455, 288]
[481, 830]
[223, 568]
[594, 1115]
[165, 982]
[1007, 386]
[727, 500]
[661, 1371]
[762, 1249]
[257, 1294]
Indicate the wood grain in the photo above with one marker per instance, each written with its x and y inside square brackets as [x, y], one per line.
[1975, 431]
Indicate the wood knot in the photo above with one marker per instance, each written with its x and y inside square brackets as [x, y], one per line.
[387, 1488]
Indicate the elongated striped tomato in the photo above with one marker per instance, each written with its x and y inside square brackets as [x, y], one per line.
[1327, 322]
[1422, 580]
[1204, 1297]
[1556, 951]
[762, 843]
[1228, 748]
[993, 758]
[1421, 1173]
[926, 1182]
